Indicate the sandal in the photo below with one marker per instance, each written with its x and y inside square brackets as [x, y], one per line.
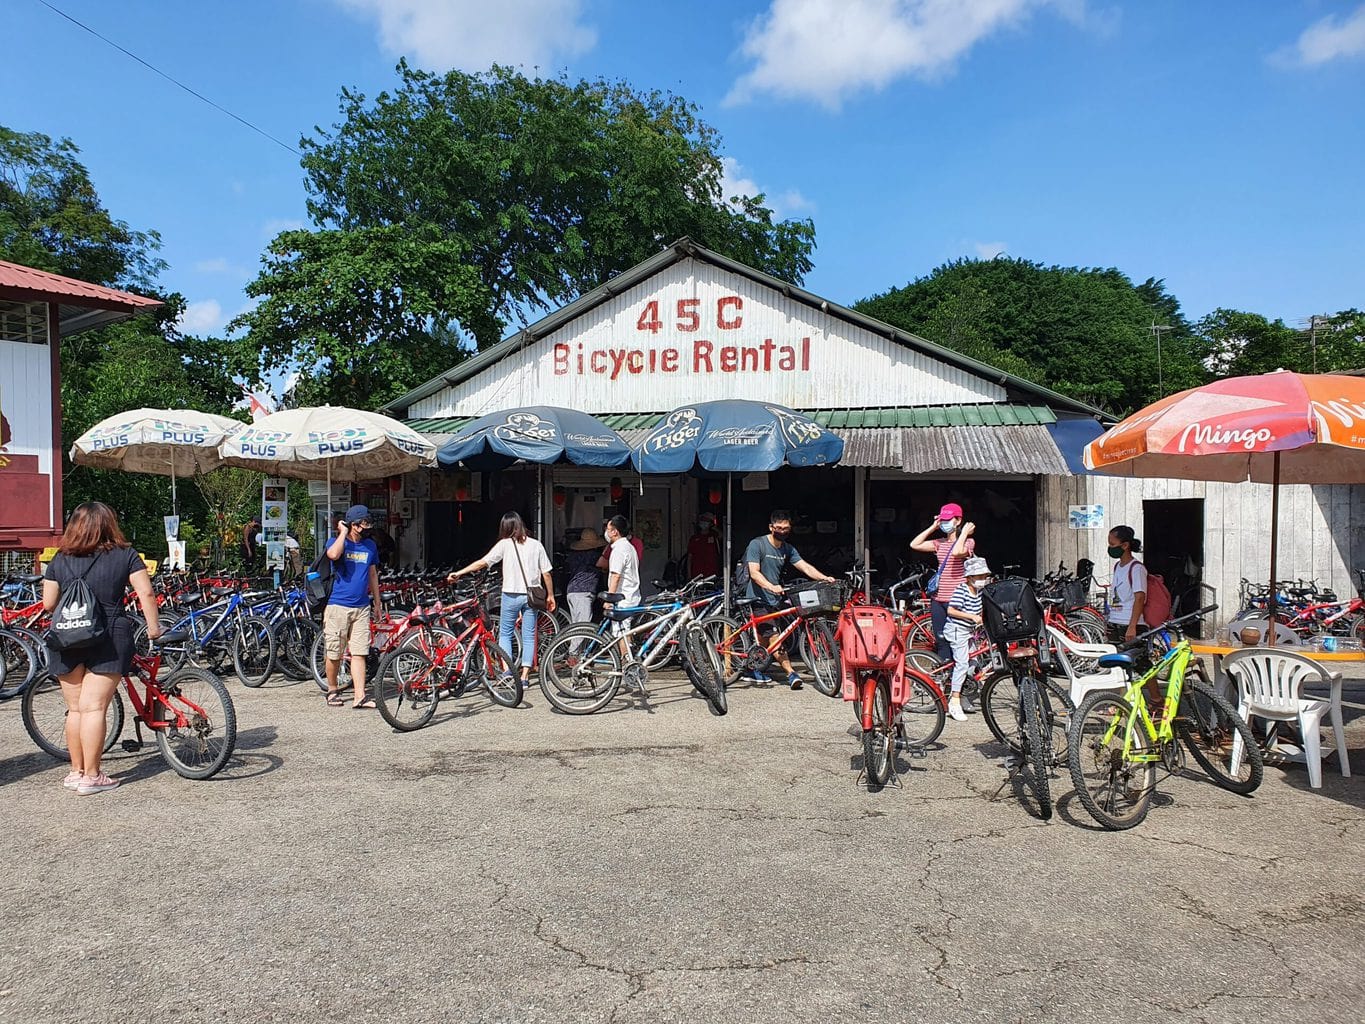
[334, 699]
[365, 705]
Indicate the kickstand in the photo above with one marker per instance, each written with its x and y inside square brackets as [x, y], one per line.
[1014, 764]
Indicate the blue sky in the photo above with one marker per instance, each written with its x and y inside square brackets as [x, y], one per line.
[1217, 144]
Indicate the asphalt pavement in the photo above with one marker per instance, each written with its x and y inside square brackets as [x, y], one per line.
[656, 863]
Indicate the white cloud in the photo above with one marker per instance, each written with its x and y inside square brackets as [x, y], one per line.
[1326, 40]
[219, 265]
[989, 250]
[473, 34]
[827, 50]
[201, 318]
[734, 182]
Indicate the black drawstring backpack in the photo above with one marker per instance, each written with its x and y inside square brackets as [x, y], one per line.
[78, 620]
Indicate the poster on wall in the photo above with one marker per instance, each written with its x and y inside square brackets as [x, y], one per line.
[274, 520]
[649, 526]
[1085, 517]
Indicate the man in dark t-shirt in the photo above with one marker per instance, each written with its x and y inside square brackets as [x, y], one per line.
[767, 556]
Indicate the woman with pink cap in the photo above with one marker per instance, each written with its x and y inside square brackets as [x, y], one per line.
[950, 541]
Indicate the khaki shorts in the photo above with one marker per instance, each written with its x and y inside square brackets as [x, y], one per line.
[346, 627]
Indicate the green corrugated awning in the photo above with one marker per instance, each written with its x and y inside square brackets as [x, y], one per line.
[987, 415]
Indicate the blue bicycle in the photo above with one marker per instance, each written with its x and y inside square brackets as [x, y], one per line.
[221, 633]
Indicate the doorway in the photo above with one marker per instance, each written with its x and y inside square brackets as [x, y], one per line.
[1173, 545]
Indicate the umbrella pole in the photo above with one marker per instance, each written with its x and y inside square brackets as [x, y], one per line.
[1274, 548]
[729, 515]
[175, 506]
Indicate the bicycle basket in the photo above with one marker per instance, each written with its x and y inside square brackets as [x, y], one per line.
[817, 599]
[1075, 594]
[1011, 610]
[868, 637]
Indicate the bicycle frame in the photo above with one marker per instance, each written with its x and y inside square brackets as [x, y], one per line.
[1161, 730]
[652, 651]
[146, 669]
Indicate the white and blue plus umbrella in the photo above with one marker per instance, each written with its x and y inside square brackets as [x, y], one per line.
[168, 442]
[541, 434]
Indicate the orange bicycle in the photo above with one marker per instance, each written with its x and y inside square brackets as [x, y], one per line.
[745, 646]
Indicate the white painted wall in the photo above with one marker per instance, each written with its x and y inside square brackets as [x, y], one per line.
[26, 402]
[1322, 528]
[780, 351]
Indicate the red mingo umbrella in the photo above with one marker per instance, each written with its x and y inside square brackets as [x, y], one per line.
[1274, 428]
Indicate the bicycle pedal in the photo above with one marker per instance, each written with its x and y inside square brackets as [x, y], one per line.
[131, 746]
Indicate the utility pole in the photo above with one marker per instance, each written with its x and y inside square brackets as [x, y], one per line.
[1155, 331]
[1313, 335]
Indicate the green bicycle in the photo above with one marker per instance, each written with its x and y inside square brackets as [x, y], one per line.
[1116, 745]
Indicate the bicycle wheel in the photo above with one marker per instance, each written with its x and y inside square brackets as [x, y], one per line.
[1113, 787]
[294, 647]
[253, 651]
[1207, 724]
[406, 689]
[581, 670]
[919, 660]
[737, 646]
[922, 717]
[488, 664]
[820, 651]
[198, 746]
[44, 713]
[703, 668]
[921, 634]
[999, 707]
[37, 643]
[18, 664]
[1037, 743]
[878, 744]
[317, 661]
[1087, 628]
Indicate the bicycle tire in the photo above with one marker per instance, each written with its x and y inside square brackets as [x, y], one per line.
[318, 665]
[253, 651]
[999, 701]
[917, 659]
[37, 643]
[1206, 723]
[923, 715]
[43, 710]
[406, 689]
[703, 668]
[294, 645]
[500, 677]
[920, 635]
[1037, 743]
[1115, 791]
[18, 664]
[879, 746]
[1089, 629]
[820, 651]
[200, 748]
[734, 648]
[580, 671]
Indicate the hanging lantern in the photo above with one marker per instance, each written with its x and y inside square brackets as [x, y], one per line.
[616, 489]
[461, 492]
[560, 497]
[714, 495]
[395, 484]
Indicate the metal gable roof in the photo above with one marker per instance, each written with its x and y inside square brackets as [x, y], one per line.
[81, 305]
[685, 248]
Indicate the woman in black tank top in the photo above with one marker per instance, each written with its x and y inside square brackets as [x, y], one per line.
[93, 548]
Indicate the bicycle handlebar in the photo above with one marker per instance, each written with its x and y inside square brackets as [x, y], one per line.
[1142, 638]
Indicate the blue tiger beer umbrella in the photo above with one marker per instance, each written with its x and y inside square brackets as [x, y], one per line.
[735, 436]
[540, 434]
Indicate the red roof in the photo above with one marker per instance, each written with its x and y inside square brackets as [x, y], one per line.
[26, 283]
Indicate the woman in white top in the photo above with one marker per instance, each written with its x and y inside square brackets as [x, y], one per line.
[523, 559]
[1128, 588]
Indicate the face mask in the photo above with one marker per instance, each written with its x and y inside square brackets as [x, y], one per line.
[782, 534]
[1116, 552]
[946, 527]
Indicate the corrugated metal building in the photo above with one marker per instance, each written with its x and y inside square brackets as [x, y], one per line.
[922, 425]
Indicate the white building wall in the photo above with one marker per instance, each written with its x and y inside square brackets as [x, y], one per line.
[1322, 528]
[719, 336]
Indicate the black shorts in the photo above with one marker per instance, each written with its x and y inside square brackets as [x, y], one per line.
[113, 657]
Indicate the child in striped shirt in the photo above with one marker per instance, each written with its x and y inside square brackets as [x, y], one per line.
[964, 615]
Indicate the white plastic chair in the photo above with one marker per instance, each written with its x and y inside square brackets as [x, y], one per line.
[1270, 683]
[1070, 651]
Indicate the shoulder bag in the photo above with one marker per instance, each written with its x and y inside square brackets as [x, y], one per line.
[536, 595]
[931, 588]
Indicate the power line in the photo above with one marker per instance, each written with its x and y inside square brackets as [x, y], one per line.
[173, 81]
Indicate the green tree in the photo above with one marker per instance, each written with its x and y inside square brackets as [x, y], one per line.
[1339, 340]
[1085, 332]
[1234, 343]
[458, 203]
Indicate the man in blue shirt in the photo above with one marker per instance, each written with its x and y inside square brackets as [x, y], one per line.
[767, 556]
[346, 620]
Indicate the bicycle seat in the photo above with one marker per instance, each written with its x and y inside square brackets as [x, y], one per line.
[26, 578]
[257, 595]
[747, 602]
[175, 636]
[188, 600]
[222, 591]
[607, 598]
[1119, 659]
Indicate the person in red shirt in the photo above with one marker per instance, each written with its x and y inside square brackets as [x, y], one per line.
[703, 550]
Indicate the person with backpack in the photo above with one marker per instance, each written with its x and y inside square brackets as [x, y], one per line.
[1127, 587]
[764, 560]
[949, 539]
[346, 621]
[90, 645]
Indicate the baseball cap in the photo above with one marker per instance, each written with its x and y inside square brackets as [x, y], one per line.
[356, 514]
[952, 510]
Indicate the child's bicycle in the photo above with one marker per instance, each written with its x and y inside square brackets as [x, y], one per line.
[1116, 745]
[190, 712]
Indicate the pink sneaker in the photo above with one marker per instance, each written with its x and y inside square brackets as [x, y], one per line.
[72, 780]
[92, 784]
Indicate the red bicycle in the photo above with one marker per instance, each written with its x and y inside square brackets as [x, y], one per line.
[190, 713]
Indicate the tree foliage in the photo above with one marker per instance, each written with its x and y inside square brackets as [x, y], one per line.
[459, 203]
[1085, 332]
